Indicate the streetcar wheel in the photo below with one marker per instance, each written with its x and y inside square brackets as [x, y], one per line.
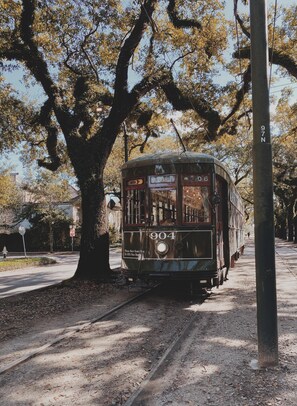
[216, 282]
[232, 262]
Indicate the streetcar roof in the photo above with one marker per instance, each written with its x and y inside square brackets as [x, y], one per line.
[171, 157]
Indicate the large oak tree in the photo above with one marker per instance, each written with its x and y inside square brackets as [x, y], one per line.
[103, 64]
[83, 54]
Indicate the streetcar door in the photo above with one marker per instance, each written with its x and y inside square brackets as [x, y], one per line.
[225, 217]
[223, 257]
[134, 218]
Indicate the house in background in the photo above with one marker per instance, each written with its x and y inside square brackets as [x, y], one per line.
[114, 217]
[61, 239]
[8, 214]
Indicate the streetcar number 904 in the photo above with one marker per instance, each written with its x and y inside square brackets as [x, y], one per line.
[162, 235]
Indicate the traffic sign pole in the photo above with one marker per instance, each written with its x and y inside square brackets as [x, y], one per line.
[22, 231]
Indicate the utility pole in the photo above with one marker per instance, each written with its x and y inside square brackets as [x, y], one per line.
[263, 190]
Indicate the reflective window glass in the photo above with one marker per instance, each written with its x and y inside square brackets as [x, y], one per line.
[135, 208]
[196, 207]
[163, 207]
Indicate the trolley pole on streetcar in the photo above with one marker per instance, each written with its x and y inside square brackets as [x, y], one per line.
[263, 190]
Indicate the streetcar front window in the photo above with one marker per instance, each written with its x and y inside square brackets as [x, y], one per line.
[196, 207]
[163, 207]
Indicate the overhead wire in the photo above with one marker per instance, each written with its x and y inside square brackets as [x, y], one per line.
[273, 40]
[280, 90]
[246, 119]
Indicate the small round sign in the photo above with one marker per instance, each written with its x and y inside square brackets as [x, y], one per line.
[22, 230]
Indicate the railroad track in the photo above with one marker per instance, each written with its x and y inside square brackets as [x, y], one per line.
[73, 329]
[143, 391]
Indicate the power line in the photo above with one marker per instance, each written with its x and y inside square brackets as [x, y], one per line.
[272, 45]
[246, 120]
[277, 91]
[282, 85]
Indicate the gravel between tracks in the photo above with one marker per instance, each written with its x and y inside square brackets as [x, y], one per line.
[104, 363]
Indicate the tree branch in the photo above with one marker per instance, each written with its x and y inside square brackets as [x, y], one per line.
[89, 59]
[180, 22]
[184, 102]
[275, 56]
[147, 84]
[185, 23]
[128, 49]
[240, 21]
[142, 145]
[52, 138]
[33, 58]
[240, 93]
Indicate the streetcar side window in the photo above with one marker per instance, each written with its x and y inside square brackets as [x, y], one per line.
[134, 209]
[196, 208]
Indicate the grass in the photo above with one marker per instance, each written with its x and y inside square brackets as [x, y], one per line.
[9, 264]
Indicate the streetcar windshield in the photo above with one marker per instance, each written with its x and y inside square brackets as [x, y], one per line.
[163, 207]
[163, 199]
[196, 204]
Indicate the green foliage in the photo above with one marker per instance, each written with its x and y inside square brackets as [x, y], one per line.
[14, 118]
[285, 169]
[21, 263]
[50, 223]
[49, 234]
[46, 188]
[114, 236]
[10, 195]
[10, 200]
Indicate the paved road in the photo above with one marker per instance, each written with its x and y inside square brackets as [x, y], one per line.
[22, 280]
[18, 281]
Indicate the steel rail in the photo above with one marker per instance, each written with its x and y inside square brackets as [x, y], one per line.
[174, 343]
[74, 329]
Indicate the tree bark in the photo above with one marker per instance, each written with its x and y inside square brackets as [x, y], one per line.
[51, 237]
[290, 223]
[94, 251]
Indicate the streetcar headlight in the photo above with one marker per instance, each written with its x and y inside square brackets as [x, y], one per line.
[162, 247]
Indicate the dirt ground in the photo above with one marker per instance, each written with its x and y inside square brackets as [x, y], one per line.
[106, 361]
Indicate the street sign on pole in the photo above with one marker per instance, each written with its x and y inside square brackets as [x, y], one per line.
[72, 235]
[263, 190]
[22, 231]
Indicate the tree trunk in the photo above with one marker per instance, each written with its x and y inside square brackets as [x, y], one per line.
[281, 225]
[290, 223]
[51, 237]
[94, 251]
[283, 229]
